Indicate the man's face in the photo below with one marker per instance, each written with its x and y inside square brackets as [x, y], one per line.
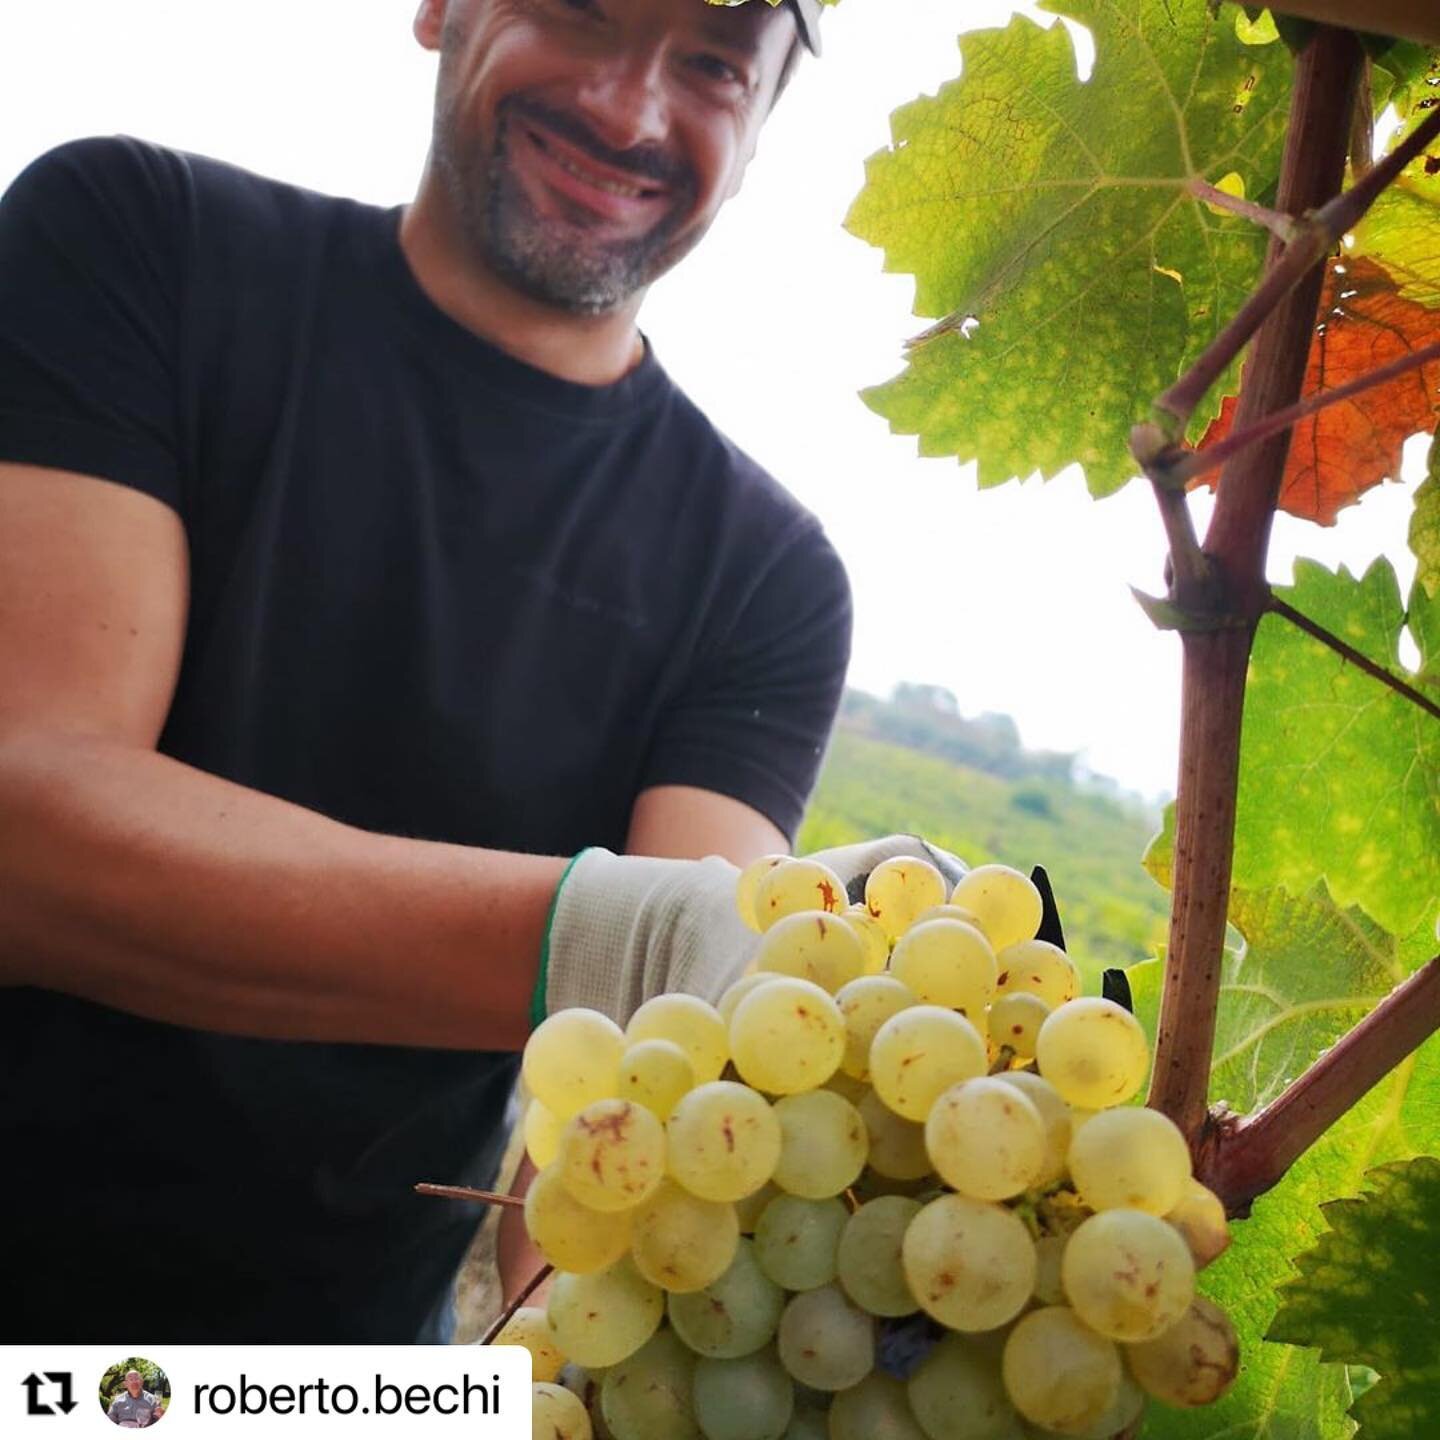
[584, 146]
[132, 1382]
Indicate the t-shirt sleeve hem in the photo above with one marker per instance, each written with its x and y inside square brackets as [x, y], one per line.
[66, 444]
[735, 777]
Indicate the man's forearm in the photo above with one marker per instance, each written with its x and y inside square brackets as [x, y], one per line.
[131, 879]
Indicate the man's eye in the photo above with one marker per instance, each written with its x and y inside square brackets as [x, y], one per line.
[583, 7]
[714, 68]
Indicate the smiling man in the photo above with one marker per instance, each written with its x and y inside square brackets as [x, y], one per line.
[359, 568]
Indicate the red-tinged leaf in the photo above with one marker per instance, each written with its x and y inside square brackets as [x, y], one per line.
[1339, 453]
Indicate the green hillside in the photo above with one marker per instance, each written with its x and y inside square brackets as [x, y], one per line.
[1090, 842]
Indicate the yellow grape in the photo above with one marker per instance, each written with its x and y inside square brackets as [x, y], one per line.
[1049, 1254]
[1133, 1158]
[787, 1036]
[872, 936]
[812, 945]
[823, 1144]
[847, 1087]
[1093, 1052]
[655, 1074]
[1059, 1373]
[690, 1023]
[528, 1327]
[897, 1146]
[542, 1134]
[948, 963]
[1056, 1116]
[898, 891]
[921, 1052]
[1199, 1216]
[737, 992]
[986, 1139]
[724, 1140]
[1036, 967]
[612, 1155]
[680, 1242]
[557, 1413]
[601, 1319]
[1194, 1362]
[950, 912]
[749, 881]
[1127, 1274]
[1015, 1020]
[1006, 903]
[797, 885]
[571, 1059]
[970, 1264]
[571, 1236]
[866, 1004]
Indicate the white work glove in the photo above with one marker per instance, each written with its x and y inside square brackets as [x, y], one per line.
[624, 928]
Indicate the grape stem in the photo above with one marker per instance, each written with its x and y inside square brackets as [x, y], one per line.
[1275, 221]
[508, 1313]
[464, 1192]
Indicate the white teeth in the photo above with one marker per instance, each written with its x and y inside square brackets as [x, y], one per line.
[611, 187]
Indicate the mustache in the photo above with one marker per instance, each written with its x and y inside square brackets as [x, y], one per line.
[648, 161]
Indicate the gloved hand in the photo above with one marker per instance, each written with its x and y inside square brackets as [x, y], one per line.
[624, 928]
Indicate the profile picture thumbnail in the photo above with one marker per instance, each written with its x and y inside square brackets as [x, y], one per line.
[135, 1393]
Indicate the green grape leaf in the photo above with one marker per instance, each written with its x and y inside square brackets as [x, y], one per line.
[1425, 527]
[1048, 222]
[1339, 775]
[1366, 1294]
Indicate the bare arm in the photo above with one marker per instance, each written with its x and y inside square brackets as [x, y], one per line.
[139, 882]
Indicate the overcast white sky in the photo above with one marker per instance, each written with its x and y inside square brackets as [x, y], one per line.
[1016, 599]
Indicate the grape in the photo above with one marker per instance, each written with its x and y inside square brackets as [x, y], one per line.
[921, 1052]
[749, 1208]
[1194, 1362]
[528, 1327]
[986, 1139]
[956, 1394]
[655, 1074]
[599, 1319]
[751, 1398]
[950, 912]
[873, 939]
[787, 1036]
[556, 1414]
[1049, 1254]
[814, 946]
[542, 1134]
[732, 1316]
[1093, 1052]
[1005, 902]
[947, 963]
[647, 1396]
[1058, 1372]
[737, 992]
[897, 1146]
[797, 885]
[808, 1423]
[724, 1141]
[612, 1155]
[847, 1087]
[748, 883]
[1123, 1411]
[571, 1236]
[1015, 1020]
[970, 1264]
[1130, 1158]
[898, 890]
[1036, 967]
[572, 1059]
[1127, 1274]
[823, 1144]
[681, 1242]
[868, 1263]
[1055, 1114]
[824, 1341]
[690, 1023]
[875, 1409]
[866, 1005]
[1199, 1216]
[796, 1241]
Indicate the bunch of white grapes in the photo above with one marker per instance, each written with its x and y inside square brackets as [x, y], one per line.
[890, 1188]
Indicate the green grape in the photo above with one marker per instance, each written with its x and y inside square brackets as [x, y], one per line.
[1036, 967]
[541, 1129]
[1015, 1021]
[873, 939]
[787, 1036]
[1127, 1274]
[823, 1144]
[875, 1409]
[600, 1319]
[970, 1264]
[612, 1155]
[1058, 1372]
[950, 912]
[921, 1052]
[571, 1236]
[956, 1394]
[846, 1087]
[655, 1074]
[556, 1414]
[1124, 1411]
[794, 886]
[692, 1024]
[897, 1146]
[1199, 1216]
[1093, 1052]
[868, 1263]
[751, 1398]
[814, 946]
[1054, 1113]
[681, 1242]
[1131, 1158]
[824, 1341]
[985, 1139]
[737, 992]
[572, 1059]
[749, 1208]
[724, 1141]
[866, 1004]
[1005, 902]
[947, 963]
[732, 1316]
[898, 891]
[748, 883]
[1194, 1362]
[529, 1328]
[796, 1241]
[808, 1423]
[647, 1395]
[1049, 1255]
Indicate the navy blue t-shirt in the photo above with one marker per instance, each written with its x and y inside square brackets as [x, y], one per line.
[435, 592]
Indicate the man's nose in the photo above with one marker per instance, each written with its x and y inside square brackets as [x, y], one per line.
[625, 101]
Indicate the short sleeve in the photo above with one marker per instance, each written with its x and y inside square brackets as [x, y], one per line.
[89, 315]
[753, 720]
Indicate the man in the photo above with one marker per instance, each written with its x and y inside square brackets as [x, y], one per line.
[356, 568]
[136, 1407]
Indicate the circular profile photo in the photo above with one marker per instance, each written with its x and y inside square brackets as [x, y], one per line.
[135, 1393]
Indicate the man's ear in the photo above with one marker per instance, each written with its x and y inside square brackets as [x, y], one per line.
[429, 22]
[738, 178]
